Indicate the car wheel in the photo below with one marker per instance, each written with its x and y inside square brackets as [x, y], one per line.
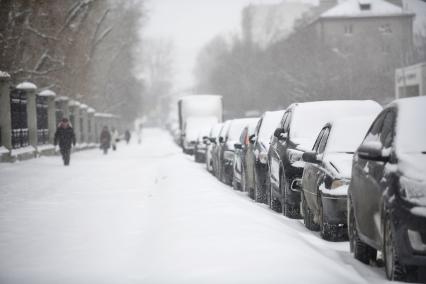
[308, 217]
[236, 185]
[288, 210]
[361, 250]
[260, 195]
[243, 181]
[394, 269]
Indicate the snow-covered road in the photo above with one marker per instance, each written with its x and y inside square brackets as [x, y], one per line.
[149, 214]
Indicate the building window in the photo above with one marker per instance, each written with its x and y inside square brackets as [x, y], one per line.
[385, 29]
[348, 29]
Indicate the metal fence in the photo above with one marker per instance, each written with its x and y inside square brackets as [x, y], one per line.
[18, 109]
[42, 120]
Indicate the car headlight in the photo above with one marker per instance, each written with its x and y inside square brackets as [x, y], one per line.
[263, 157]
[338, 183]
[228, 155]
[413, 191]
[295, 158]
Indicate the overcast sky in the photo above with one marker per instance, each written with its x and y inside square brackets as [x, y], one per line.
[192, 23]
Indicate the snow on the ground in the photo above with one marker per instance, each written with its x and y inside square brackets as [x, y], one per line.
[149, 214]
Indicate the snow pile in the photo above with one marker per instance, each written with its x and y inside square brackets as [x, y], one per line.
[26, 86]
[47, 93]
[4, 75]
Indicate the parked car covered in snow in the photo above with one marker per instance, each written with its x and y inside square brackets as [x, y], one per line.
[200, 149]
[387, 193]
[261, 141]
[211, 144]
[227, 147]
[327, 174]
[192, 129]
[217, 153]
[296, 134]
[241, 163]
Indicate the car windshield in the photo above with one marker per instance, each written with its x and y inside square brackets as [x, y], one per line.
[309, 118]
[411, 127]
[270, 122]
[236, 127]
[347, 134]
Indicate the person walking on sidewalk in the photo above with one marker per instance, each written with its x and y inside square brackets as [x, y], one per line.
[114, 138]
[127, 136]
[105, 139]
[64, 137]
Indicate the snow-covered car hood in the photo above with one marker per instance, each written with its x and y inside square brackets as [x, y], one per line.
[412, 166]
[340, 163]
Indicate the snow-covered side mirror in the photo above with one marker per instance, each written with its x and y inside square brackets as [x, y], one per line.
[310, 157]
[280, 134]
[252, 138]
[372, 151]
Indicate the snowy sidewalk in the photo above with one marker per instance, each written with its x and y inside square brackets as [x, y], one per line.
[149, 214]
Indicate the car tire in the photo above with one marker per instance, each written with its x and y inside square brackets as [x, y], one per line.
[308, 217]
[290, 211]
[236, 185]
[243, 181]
[394, 269]
[260, 195]
[361, 250]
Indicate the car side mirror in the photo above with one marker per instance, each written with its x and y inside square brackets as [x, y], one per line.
[278, 132]
[206, 140]
[252, 138]
[212, 139]
[221, 140]
[238, 146]
[372, 151]
[310, 157]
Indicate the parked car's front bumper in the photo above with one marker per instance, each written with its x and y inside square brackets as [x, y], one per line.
[410, 234]
[335, 209]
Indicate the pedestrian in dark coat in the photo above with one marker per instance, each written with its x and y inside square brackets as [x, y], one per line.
[105, 139]
[127, 136]
[65, 137]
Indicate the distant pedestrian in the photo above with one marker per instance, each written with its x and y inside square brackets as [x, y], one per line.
[64, 137]
[105, 139]
[127, 136]
[114, 139]
[139, 133]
